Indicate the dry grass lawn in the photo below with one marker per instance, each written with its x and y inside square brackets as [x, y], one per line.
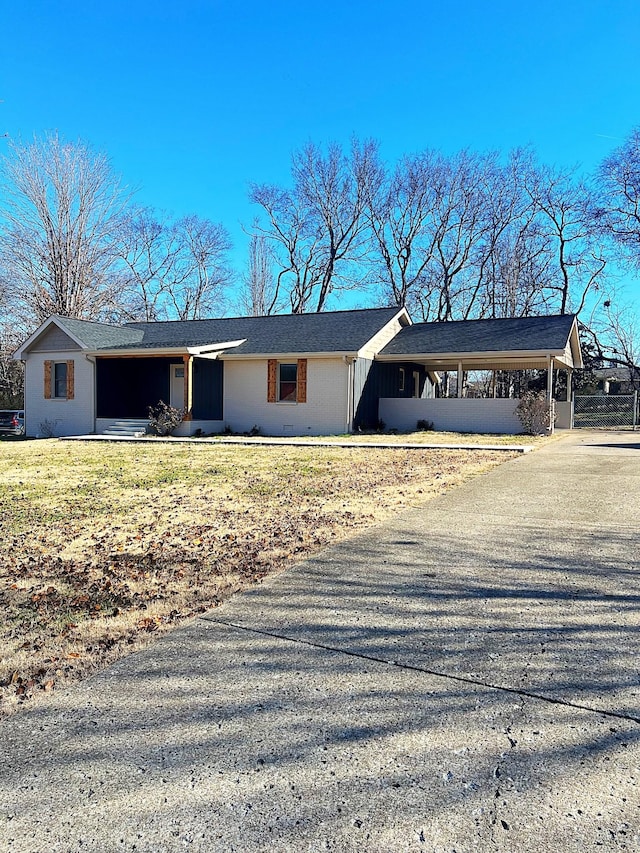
[104, 545]
[427, 437]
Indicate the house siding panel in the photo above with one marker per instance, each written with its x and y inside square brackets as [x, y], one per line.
[324, 413]
[380, 379]
[66, 416]
[207, 389]
[55, 340]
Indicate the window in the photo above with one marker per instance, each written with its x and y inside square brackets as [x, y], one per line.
[287, 383]
[60, 379]
[401, 380]
[416, 383]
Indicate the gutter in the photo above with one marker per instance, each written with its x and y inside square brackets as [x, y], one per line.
[282, 355]
[204, 351]
[456, 356]
[139, 353]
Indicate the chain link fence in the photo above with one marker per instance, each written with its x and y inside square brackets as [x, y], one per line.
[606, 411]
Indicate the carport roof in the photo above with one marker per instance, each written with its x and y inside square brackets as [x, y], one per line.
[513, 341]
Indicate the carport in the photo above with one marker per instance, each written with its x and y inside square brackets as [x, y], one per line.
[523, 343]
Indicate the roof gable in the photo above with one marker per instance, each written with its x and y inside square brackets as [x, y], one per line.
[53, 339]
[59, 334]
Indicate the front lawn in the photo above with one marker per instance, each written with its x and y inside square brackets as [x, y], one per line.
[104, 545]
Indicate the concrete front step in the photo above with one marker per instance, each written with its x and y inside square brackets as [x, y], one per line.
[134, 428]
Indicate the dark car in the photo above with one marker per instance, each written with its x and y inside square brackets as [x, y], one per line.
[12, 422]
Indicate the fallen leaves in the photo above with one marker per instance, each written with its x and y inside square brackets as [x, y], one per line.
[85, 581]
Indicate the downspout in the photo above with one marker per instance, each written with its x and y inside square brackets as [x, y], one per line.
[24, 394]
[94, 396]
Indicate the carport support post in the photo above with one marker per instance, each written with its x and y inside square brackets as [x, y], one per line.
[570, 395]
[550, 392]
[460, 379]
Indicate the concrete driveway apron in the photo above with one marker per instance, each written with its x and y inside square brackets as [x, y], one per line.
[463, 678]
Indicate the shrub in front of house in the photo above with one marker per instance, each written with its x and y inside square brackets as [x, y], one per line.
[163, 418]
[534, 412]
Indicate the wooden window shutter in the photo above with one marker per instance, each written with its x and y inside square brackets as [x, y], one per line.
[301, 395]
[272, 380]
[48, 370]
[70, 380]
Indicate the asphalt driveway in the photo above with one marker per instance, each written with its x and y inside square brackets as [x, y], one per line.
[464, 678]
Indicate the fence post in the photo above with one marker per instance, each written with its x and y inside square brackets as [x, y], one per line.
[635, 409]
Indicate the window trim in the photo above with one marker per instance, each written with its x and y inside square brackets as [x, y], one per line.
[281, 382]
[416, 384]
[401, 379]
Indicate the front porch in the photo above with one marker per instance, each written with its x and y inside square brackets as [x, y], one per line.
[127, 386]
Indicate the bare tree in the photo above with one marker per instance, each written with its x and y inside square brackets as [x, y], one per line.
[333, 189]
[257, 297]
[62, 212]
[317, 228]
[619, 208]
[462, 221]
[566, 207]
[201, 270]
[172, 270]
[613, 331]
[519, 271]
[401, 211]
[148, 247]
[296, 244]
[11, 372]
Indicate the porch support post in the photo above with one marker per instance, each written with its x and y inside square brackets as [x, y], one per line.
[460, 379]
[550, 390]
[188, 387]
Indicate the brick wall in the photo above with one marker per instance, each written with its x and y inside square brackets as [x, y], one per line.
[452, 414]
[324, 413]
[67, 417]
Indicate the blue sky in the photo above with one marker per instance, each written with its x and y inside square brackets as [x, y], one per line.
[194, 100]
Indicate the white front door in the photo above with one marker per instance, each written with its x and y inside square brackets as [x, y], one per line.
[176, 386]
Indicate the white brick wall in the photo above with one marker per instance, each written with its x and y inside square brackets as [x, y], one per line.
[68, 417]
[191, 427]
[452, 414]
[564, 414]
[324, 413]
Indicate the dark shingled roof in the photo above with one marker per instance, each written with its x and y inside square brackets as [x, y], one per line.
[545, 334]
[330, 331]
[100, 335]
